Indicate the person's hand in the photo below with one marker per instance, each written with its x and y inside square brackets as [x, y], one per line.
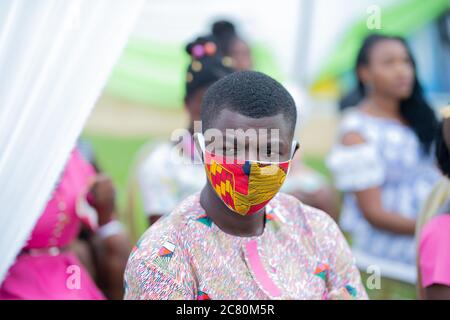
[102, 196]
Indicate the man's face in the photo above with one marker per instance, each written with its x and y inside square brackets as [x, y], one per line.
[247, 159]
[244, 138]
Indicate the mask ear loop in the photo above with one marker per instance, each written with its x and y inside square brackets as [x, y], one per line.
[294, 148]
[200, 143]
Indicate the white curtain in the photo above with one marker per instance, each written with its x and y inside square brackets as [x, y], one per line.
[55, 57]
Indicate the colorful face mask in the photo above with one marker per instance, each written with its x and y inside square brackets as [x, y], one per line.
[248, 187]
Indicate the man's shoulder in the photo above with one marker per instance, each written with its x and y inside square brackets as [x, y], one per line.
[296, 212]
[176, 228]
[159, 266]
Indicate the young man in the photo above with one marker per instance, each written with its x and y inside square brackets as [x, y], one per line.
[239, 238]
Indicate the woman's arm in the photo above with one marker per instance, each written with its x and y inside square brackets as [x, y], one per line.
[111, 255]
[111, 244]
[370, 204]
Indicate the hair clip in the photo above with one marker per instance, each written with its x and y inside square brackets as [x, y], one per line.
[210, 48]
[227, 61]
[198, 51]
[196, 66]
[189, 77]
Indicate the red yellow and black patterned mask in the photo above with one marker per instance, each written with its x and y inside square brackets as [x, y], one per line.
[247, 187]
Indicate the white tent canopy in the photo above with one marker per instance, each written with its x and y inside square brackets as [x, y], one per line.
[287, 27]
[55, 57]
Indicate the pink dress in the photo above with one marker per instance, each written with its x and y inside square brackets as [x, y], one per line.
[434, 251]
[44, 270]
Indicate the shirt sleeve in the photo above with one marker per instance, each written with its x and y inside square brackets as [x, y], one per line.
[434, 252]
[356, 167]
[343, 277]
[157, 183]
[158, 270]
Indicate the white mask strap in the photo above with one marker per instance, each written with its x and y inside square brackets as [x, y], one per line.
[294, 147]
[201, 142]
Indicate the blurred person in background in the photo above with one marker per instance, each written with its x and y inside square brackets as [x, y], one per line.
[433, 228]
[167, 174]
[54, 264]
[382, 159]
[232, 46]
[350, 99]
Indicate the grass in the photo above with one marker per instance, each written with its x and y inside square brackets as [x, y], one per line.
[317, 163]
[390, 289]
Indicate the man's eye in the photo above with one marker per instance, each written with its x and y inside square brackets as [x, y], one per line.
[271, 153]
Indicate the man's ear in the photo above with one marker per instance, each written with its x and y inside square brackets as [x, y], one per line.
[198, 144]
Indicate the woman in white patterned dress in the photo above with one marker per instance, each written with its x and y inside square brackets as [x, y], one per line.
[382, 158]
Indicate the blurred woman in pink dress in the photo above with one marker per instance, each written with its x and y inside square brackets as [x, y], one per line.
[48, 267]
[433, 229]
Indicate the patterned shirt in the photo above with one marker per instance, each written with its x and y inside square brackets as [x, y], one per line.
[301, 254]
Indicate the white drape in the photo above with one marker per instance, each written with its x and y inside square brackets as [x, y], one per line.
[55, 57]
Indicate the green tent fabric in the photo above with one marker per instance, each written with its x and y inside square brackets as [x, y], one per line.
[148, 73]
[401, 19]
[152, 73]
